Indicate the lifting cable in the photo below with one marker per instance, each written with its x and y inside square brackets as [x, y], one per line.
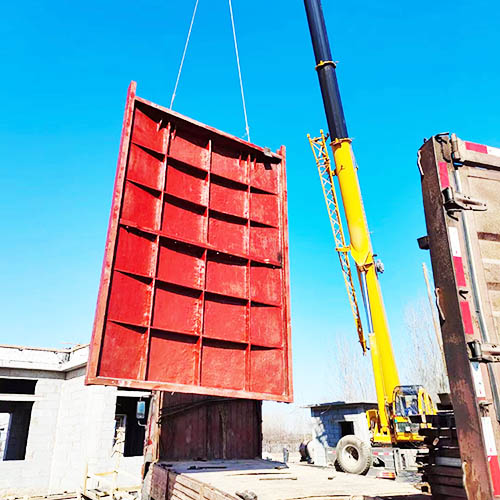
[239, 72]
[247, 128]
[184, 54]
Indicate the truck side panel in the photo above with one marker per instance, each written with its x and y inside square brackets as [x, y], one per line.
[464, 241]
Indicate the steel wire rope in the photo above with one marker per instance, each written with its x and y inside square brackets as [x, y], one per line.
[184, 54]
[247, 129]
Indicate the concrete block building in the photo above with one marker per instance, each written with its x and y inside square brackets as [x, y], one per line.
[52, 426]
[331, 421]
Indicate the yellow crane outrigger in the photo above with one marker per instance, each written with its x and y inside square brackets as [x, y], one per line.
[390, 423]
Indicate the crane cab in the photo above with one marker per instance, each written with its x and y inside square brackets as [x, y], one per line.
[411, 404]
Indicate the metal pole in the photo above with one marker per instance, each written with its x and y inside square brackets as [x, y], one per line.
[366, 301]
[325, 68]
[437, 330]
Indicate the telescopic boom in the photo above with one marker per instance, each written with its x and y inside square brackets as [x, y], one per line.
[360, 248]
[326, 70]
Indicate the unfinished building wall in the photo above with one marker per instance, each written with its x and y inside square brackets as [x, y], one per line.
[18, 428]
[31, 474]
[85, 437]
[71, 425]
[85, 422]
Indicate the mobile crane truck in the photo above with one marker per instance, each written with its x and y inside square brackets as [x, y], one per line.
[390, 423]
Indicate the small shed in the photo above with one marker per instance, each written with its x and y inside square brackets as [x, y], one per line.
[331, 421]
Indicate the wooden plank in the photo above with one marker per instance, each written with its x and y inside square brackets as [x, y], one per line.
[445, 480]
[179, 495]
[159, 481]
[215, 494]
[433, 432]
[179, 488]
[449, 490]
[448, 452]
[189, 482]
[184, 485]
[441, 441]
[442, 470]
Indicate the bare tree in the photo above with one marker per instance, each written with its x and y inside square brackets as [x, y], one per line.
[285, 427]
[349, 373]
[424, 361]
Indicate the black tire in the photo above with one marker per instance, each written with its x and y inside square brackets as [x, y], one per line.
[353, 455]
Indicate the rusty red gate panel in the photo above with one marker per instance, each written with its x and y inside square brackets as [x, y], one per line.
[194, 293]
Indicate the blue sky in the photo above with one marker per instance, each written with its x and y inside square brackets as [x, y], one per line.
[405, 73]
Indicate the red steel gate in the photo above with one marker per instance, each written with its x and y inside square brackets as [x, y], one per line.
[194, 294]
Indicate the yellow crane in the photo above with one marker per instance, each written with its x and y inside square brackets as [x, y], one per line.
[390, 422]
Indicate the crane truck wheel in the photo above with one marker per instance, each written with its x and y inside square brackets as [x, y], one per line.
[353, 455]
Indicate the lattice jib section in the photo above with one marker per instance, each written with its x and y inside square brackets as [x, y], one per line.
[326, 174]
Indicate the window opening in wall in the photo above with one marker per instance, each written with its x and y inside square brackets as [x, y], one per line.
[15, 418]
[346, 428]
[129, 434]
[17, 386]
[4, 432]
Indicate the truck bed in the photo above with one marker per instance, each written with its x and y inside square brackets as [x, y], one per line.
[222, 479]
